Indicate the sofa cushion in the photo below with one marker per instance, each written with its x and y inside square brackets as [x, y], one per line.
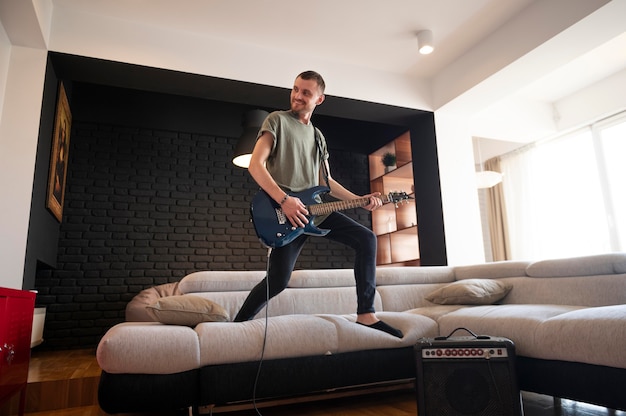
[620, 265]
[354, 337]
[600, 264]
[220, 281]
[435, 312]
[400, 298]
[590, 335]
[470, 292]
[516, 322]
[575, 290]
[287, 336]
[187, 310]
[148, 348]
[136, 309]
[322, 278]
[409, 275]
[493, 270]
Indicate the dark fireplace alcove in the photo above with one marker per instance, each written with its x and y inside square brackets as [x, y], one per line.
[152, 195]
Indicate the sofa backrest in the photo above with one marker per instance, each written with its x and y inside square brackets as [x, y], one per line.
[312, 291]
[583, 281]
[595, 280]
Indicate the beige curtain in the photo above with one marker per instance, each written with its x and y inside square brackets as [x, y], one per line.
[500, 246]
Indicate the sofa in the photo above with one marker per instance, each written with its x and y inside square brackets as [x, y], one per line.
[179, 349]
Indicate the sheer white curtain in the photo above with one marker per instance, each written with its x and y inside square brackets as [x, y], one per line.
[611, 151]
[565, 197]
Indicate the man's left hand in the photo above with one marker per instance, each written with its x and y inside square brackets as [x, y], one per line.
[375, 201]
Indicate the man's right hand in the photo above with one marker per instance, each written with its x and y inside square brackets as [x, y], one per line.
[295, 211]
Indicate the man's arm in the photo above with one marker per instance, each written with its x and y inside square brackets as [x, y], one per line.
[292, 207]
[338, 191]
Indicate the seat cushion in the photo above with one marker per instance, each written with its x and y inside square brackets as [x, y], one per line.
[148, 348]
[516, 322]
[591, 335]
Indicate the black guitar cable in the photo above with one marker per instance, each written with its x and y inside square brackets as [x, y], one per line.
[267, 307]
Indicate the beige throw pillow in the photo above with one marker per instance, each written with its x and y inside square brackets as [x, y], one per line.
[188, 310]
[470, 292]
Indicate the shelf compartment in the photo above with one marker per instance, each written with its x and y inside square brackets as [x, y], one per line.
[406, 215]
[383, 253]
[384, 220]
[404, 245]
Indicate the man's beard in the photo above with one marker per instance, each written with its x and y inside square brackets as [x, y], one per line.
[298, 108]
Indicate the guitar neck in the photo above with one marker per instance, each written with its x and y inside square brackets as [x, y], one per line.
[328, 207]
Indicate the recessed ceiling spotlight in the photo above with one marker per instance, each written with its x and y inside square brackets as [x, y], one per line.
[425, 42]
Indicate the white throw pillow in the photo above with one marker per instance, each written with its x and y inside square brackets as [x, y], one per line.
[470, 292]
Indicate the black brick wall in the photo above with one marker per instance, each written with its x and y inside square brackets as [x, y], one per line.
[145, 207]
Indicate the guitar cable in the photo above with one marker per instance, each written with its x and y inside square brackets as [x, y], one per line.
[267, 306]
[267, 301]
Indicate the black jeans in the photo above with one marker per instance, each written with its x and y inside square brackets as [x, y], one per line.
[282, 261]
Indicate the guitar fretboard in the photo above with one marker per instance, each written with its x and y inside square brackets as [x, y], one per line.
[328, 207]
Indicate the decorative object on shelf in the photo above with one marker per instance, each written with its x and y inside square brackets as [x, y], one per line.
[389, 160]
[39, 319]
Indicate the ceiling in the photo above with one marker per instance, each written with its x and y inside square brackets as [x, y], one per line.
[363, 33]
[358, 38]
[374, 36]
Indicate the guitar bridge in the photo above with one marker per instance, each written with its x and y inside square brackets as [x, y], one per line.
[280, 216]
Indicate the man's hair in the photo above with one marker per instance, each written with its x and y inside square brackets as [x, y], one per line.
[308, 75]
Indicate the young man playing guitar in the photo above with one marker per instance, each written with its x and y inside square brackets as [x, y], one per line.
[290, 156]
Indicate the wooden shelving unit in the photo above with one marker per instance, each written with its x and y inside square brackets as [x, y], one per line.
[395, 226]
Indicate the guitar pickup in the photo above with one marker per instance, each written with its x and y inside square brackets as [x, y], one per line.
[280, 216]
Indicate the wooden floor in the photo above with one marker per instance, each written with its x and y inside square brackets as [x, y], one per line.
[65, 384]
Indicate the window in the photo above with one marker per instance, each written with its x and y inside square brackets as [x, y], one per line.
[564, 197]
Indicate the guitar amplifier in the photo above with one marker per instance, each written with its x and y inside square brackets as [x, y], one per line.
[460, 376]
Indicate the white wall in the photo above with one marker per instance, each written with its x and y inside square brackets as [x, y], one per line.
[593, 103]
[5, 56]
[461, 210]
[19, 130]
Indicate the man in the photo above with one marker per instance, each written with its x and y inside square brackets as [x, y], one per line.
[290, 156]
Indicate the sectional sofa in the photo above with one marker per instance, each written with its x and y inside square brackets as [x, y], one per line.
[178, 348]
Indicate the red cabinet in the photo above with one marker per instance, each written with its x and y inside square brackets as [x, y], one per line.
[16, 320]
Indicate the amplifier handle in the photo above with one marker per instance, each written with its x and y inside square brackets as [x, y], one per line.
[443, 338]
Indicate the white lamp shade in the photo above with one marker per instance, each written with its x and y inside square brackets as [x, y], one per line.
[487, 179]
[251, 124]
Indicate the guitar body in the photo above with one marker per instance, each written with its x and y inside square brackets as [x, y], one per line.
[273, 228]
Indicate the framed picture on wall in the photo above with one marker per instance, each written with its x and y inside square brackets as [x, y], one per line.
[59, 155]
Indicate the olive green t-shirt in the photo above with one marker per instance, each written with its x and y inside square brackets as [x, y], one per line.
[294, 161]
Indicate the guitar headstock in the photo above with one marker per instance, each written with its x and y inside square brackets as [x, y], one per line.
[397, 197]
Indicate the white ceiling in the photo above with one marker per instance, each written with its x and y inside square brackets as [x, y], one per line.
[380, 38]
[364, 33]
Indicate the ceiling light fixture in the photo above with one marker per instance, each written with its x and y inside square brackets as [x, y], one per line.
[485, 178]
[425, 42]
[252, 121]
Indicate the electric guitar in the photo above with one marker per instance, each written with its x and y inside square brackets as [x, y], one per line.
[274, 229]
